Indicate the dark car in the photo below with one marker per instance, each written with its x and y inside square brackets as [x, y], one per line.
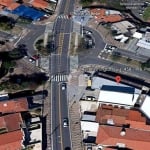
[67, 148]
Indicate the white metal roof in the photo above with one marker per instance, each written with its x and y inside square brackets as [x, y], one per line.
[143, 43]
[145, 108]
[137, 35]
[89, 126]
[113, 97]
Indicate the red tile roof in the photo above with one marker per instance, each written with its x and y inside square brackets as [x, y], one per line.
[13, 6]
[101, 16]
[121, 116]
[11, 140]
[40, 4]
[12, 106]
[5, 2]
[11, 122]
[134, 138]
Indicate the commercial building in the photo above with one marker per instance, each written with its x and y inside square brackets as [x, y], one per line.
[145, 41]
[118, 95]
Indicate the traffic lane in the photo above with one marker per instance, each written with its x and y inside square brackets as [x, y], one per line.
[62, 6]
[64, 111]
[113, 66]
[68, 26]
[71, 7]
[56, 138]
[54, 64]
[59, 27]
[66, 44]
[64, 64]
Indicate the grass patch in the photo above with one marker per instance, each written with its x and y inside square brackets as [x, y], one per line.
[146, 14]
[126, 61]
[72, 44]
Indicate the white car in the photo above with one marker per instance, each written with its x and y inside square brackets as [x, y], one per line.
[65, 122]
[63, 87]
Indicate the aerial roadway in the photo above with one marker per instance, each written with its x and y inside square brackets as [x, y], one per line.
[59, 68]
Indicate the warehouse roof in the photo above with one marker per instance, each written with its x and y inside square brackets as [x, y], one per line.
[118, 95]
[145, 107]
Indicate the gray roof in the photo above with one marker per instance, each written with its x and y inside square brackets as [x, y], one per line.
[88, 118]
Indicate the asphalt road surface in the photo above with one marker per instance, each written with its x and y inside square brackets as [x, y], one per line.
[59, 66]
[35, 32]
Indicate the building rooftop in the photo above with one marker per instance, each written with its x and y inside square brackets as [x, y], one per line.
[145, 106]
[111, 95]
[129, 90]
[13, 6]
[6, 3]
[103, 15]
[14, 105]
[98, 82]
[107, 114]
[11, 140]
[124, 27]
[88, 117]
[132, 138]
[40, 4]
[11, 122]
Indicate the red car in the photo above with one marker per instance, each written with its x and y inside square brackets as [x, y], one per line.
[36, 57]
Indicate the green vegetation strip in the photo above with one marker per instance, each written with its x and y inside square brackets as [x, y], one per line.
[124, 60]
[146, 15]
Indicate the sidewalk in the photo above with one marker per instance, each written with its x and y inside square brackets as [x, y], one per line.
[76, 137]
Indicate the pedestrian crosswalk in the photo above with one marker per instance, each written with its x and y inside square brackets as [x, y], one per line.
[63, 17]
[59, 78]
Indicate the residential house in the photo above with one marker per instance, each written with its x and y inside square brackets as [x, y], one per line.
[120, 127]
[11, 122]
[12, 140]
[89, 128]
[107, 16]
[117, 137]
[40, 4]
[11, 134]
[14, 105]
